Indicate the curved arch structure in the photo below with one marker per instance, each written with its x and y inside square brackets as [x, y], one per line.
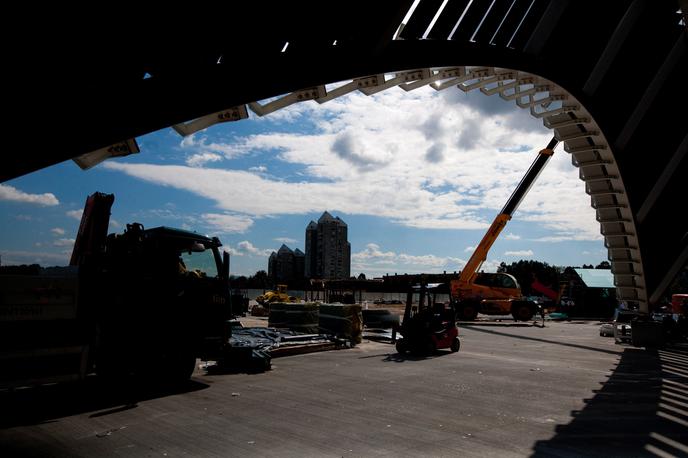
[606, 77]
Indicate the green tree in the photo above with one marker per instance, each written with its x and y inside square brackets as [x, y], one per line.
[259, 280]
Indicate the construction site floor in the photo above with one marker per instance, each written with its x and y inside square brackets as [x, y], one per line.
[512, 390]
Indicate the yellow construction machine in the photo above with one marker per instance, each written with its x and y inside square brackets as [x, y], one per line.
[497, 293]
[278, 295]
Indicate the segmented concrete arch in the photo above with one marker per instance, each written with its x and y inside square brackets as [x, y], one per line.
[607, 77]
[558, 109]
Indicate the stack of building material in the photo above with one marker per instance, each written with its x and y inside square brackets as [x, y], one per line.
[253, 348]
[299, 317]
[342, 320]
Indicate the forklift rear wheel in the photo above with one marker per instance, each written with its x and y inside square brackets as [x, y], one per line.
[456, 344]
[401, 347]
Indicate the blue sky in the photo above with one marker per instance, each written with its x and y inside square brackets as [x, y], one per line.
[417, 176]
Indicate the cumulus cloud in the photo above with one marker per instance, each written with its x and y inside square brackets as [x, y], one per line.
[433, 128]
[374, 260]
[494, 106]
[470, 134]
[511, 236]
[259, 169]
[254, 195]
[226, 223]
[64, 242]
[435, 153]
[76, 214]
[371, 156]
[525, 253]
[19, 257]
[57, 231]
[246, 248]
[13, 194]
[203, 151]
[352, 149]
[215, 223]
[285, 240]
[200, 159]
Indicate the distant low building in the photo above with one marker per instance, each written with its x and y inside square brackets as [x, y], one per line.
[591, 292]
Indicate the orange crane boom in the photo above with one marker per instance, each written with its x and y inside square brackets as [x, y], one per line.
[464, 287]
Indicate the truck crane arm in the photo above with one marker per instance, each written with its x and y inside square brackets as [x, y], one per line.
[468, 273]
[90, 240]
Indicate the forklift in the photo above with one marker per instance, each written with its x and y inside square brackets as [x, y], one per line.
[429, 326]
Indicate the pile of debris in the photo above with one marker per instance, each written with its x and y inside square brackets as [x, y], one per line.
[294, 328]
[254, 348]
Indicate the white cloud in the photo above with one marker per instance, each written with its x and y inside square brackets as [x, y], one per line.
[259, 169]
[34, 257]
[285, 240]
[246, 248]
[216, 223]
[254, 195]
[204, 151]
[13, 194]
[354, 150]
[200, 159]
[373, 260]
[417, 159]
[289, 114]
[435, 153]
[525, 253]
[159, 213]
[225, 223]
[76, 214]
[57, 231]
[114, 224]
[469, 249]
[511, 236]
[64, 242]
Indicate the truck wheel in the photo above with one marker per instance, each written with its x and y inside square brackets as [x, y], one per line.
[402, 349]
[468, 311]
[178, 368]
[456, 344]
[522, 312]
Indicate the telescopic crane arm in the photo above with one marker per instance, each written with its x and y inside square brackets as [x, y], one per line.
[480, 253]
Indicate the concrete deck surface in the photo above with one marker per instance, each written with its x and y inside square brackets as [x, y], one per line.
[512, 390]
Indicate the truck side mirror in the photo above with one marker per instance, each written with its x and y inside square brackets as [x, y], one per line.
[225, 265]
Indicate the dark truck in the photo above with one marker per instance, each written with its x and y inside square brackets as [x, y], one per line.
[147, 302]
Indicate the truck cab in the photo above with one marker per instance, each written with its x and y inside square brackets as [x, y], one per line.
[169, 289]
[147, 302]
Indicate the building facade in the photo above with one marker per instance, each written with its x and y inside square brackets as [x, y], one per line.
[286, 266]
[328, 251]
